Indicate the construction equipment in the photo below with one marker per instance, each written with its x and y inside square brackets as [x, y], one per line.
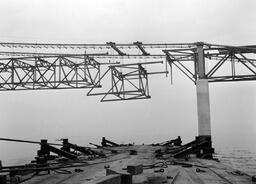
[106, 142]
[101, 147]
[201, 146]
[172, 142]
[46, 149]
[87, 151]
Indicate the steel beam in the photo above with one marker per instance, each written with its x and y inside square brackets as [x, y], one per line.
[139, 45]
[113, 45]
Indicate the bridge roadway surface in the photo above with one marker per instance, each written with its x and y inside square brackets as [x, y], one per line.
[210, 171]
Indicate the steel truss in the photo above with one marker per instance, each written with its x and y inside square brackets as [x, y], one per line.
[128, 82]
[217, 56]
[24, 69]
[108, 50]
[52, 72]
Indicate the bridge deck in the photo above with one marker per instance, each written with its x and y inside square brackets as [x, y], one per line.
[202, 171]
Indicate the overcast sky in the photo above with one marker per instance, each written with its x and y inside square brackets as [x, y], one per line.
[172, 109]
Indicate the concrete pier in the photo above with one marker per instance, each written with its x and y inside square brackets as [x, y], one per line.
[203, 107]
[202, 92]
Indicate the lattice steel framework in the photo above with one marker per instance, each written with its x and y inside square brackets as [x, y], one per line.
[49, 72]
[128, 82]
[68, 66]
[217, 56]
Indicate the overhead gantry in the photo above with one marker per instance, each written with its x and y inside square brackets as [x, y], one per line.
[121, 71]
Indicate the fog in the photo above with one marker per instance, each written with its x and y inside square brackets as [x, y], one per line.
[54, 114]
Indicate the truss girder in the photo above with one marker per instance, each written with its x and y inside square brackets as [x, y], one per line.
[58, 72]
[127, 83]
[107, 50]
[27, 70]
[235, 56]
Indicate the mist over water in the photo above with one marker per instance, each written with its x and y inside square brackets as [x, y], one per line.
[240, 159]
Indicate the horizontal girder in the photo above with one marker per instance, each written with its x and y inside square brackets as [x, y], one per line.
[34, 66]
[57, 72]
